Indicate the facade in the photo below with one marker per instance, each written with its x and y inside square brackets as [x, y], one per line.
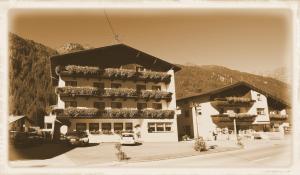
[114, 89]
[249, 107]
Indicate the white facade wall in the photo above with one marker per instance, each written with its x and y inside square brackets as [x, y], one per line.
[203, 121]
[260, 102]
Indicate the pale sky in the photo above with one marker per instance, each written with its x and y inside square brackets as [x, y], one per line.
[245, 40]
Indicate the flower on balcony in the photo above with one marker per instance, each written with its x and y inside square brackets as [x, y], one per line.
[155, 94]
[158, 113]
[73, 91]
[242, 115]
[238, 99]
[155, 76]
[86, 70]
[122, 113]
[119, 73]
[77, 112]
[120, 92]
[278, 116]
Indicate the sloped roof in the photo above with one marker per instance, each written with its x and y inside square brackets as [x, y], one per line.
[111, 56]
[12, 118]
[231, 86]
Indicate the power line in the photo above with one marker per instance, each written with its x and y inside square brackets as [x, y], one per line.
[116, 37]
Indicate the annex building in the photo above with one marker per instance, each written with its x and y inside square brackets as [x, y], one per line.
[250, 107]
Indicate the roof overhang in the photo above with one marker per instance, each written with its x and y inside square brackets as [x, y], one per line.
[112, 56]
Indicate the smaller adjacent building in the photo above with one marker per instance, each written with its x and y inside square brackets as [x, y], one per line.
[241, 103]
[18, 123]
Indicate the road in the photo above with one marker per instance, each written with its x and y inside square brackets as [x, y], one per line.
[275, 156]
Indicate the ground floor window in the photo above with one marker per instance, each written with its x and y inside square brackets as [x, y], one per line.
[106, 126]
[159, 127]
[49, 126]
[118, 126]
[80, 126]
[94, 127]
[128, 126]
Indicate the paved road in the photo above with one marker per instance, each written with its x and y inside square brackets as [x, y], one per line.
[274, 156]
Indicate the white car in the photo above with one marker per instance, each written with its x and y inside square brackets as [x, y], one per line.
[128, 139]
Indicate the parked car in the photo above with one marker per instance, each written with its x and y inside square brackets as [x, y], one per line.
[128, 139]
[77, 138]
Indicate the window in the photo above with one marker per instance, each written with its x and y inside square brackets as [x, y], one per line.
[258, 97]
[99, 105]
[140, 87]
[49, 126]
[71, 83]
[80, 126]
[94, 126]
[128, 126]
[70, 104]
[260, 111]
[140, 68]
[168, 126]
[116, 105]
[98, 85]
[151, 127]
[159, 127]
[156, 88]
[115, 85]
[156, 105]
[106, 126]
[141, 106]
[118, 126]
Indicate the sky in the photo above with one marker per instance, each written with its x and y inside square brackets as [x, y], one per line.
[249, 40]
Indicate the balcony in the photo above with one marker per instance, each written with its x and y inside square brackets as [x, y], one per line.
[113, 73]
[240, 117]
[70, 91]
[232, 102]
[113, 113]
[278, 117]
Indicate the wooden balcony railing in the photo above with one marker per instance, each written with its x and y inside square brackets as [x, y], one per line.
[70, 91]
[74, 112]
[278, 117]
[240, 117]
[113, 73]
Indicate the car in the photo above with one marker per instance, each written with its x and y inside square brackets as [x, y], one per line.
[77, 138]
[128, 139]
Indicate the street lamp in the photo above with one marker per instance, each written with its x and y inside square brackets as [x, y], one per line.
[195, 105]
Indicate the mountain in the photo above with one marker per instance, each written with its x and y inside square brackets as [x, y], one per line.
[31, 92]
[281, 73]
[193, 79]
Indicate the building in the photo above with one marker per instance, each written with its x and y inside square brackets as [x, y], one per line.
[115, 89]
[19, 123]
[241, 103]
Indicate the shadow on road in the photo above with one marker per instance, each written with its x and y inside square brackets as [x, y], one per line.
[41, 151]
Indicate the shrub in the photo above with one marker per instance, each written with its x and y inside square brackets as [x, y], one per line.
[120, 154]
[185, 137]
[200, 145]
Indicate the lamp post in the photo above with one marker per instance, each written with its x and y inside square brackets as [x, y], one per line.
[195, 105]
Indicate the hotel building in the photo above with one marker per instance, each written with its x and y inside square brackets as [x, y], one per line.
[114, 89]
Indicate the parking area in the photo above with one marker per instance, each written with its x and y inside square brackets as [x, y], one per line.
[58, 155]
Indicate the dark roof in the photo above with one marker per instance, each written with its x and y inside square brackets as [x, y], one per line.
[111, 56]
[240, 83]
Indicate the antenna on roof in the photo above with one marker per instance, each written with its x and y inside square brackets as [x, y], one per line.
[115, 35]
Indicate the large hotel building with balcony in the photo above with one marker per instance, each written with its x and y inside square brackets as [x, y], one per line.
[115, 89]
[250, 107]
